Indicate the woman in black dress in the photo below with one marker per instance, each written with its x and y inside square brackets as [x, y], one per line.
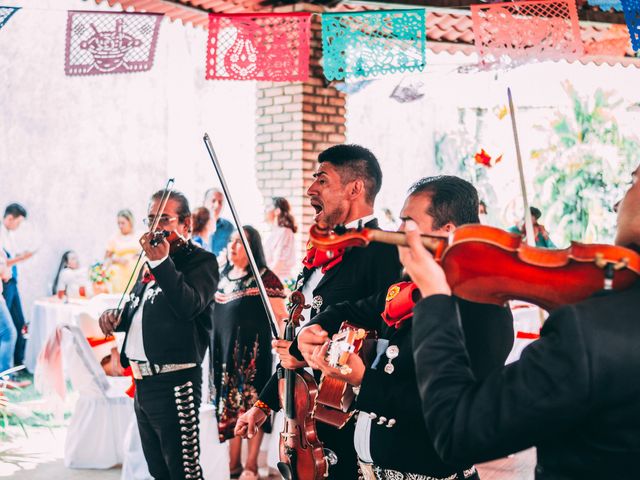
[241, 345]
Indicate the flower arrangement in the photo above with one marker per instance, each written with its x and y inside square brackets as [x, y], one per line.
[99, 273]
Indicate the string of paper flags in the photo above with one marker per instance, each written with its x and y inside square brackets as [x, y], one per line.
[355, 45]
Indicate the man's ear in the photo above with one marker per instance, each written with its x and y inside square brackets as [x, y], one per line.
[187, 224]
[356, 188]
[449, 227]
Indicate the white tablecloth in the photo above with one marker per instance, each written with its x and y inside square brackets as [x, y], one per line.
[50, 312]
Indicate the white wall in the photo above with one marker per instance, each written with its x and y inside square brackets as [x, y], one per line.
[75, 150]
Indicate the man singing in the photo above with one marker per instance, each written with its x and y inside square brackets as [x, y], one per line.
[167, 321]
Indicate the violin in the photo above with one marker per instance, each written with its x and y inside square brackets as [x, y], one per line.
[301, 454]
[488, 265]
[177, 243]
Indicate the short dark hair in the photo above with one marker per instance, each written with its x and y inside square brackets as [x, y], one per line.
[453, 200]
[353, 162]
[15, 210]
[535, 212]
[183, 203]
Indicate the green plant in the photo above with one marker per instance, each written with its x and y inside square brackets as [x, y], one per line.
[10, 412]
[584, 168]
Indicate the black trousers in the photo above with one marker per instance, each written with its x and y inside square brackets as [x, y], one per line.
[341, 443]
[166, 407]
[12, 297]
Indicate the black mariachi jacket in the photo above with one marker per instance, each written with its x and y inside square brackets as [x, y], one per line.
[399, 439]
[574, 393]
[176, 321]
[362, 272]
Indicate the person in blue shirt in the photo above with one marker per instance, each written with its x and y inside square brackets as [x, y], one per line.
[214, 201]
[14, 214]
[542, 236]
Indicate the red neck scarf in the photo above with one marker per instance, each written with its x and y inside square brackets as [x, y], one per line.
[324, 259]
[399, 303]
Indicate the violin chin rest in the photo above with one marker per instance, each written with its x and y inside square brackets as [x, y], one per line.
[331, 456]
[285, 470]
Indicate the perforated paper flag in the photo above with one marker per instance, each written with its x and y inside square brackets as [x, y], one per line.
[6, 13]
[632, 17]
[606, 5]
[525, 31]
[256, 46]
[366, 44]
[106, 42]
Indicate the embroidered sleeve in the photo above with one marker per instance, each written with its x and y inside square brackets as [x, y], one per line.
[272, 284]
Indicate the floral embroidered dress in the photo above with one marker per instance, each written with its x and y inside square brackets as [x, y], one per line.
[241, 347]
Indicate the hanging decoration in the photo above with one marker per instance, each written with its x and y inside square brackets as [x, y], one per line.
[632, 17]
[409, 89]
[105, 42]
[256, 46]
[613, 43]
[521, 31]
[486, 160]
[351, 88]
[6, 13]
[606, 5]
[367, 44]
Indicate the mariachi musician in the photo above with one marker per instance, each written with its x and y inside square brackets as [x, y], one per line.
[167, 321]
[391, 439]
[573, 394]
[347, 180]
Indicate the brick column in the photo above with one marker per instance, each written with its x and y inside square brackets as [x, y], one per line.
[295, 122]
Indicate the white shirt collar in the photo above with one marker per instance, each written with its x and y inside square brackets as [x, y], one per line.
[364, 221]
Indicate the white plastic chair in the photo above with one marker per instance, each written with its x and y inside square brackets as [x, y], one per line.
[103, 411]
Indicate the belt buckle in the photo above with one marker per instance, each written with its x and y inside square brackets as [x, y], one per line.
[366, 470]
[135, 370]
[141, 369]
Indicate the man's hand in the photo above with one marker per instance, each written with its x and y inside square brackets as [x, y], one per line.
[286, 359]
[425, 272]
[249, 422]
[310, 338]
[352, 372]
[158, 252]
[109, 320]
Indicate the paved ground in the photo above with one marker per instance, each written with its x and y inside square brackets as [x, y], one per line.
[39, 457]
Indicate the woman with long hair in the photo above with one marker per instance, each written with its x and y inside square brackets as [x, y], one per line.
[280, 244]
[241, 346]
[70, 278]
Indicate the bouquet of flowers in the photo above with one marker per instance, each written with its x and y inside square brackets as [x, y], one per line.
[99, 273]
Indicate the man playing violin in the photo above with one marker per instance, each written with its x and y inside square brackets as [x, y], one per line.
[167, 320]
[391, 440]
[346, 182]
[574, 393]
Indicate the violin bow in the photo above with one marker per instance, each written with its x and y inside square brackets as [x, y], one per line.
[528, 223]
[243, 237]
[156, 218]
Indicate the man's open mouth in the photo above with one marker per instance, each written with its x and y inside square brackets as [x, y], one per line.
[317, 206]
